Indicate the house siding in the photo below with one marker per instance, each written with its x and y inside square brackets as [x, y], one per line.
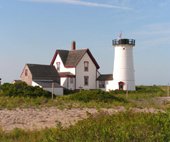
[57, 91]
[62, 67]
[27, 79]
[109, 85]
[71, 85]
[91, 73]
[79, 73]
[65, 81]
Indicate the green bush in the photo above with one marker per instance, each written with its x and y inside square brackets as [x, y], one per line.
[142, 90]
[95, 95]
[149, 89]
[22, 89]
[124, 127]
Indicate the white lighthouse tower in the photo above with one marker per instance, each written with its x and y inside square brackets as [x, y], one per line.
[123, 69]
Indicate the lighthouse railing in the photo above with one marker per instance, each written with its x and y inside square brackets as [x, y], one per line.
[123, 41]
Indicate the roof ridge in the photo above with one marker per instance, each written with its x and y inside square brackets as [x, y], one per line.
[38, 64]
[71, 58]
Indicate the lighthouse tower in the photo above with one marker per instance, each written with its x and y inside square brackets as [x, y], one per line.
[123, 69]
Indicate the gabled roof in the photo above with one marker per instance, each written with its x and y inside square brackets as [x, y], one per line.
[72, 58]
[105, 77]
[43, 72]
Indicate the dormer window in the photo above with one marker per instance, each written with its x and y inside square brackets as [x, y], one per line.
[58, 66]
[86, 66]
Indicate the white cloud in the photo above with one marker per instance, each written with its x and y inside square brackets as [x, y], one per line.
[156, 29]
[154, 35]
[80, 2]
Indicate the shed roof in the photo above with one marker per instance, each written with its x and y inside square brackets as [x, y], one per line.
[43, 72]
[105, 77]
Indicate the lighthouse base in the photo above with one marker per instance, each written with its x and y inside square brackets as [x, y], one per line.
[120, 85]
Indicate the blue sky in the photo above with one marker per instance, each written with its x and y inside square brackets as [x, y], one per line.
[31, 31]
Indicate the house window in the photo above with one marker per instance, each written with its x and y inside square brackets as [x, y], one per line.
[26, 72]
[86, 66]
[58, 66]
[86, 80]
[101, 84]
[71, 80]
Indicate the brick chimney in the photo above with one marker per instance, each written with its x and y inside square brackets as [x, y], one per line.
[73, 45]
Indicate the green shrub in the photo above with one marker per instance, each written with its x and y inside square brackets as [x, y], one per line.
[142, 92]
[95, 95]
[22, 89]
[149, 89]
[124, 127]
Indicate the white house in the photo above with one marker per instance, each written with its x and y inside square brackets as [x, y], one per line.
[77, 69]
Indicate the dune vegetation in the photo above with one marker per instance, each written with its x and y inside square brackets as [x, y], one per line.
[123, 126]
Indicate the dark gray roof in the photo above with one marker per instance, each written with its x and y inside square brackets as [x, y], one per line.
[64, 55]
[72, 58]
[48, 84]
[105, 77]
[44, 72]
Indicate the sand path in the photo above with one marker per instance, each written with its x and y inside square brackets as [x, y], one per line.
[35, 119]
[31, 118]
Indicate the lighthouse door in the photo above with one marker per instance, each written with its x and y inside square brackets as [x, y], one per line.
[121, 84]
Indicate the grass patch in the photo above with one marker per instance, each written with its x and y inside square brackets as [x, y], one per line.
[25, 102]
[144, 96]
[145, 92]
[96, 95]
[123, 127]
